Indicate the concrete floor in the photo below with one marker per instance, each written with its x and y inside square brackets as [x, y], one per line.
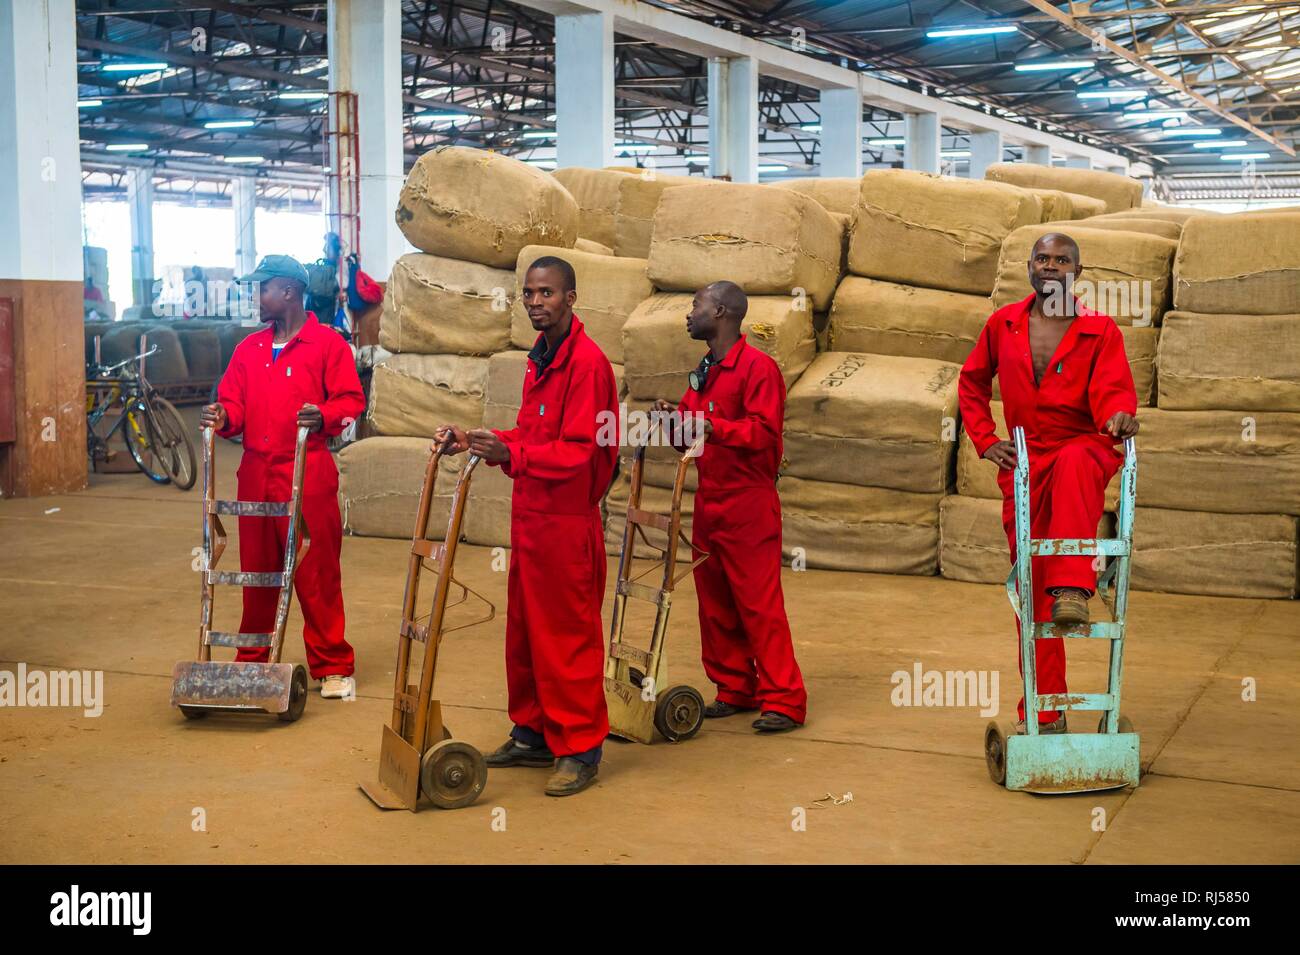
[103, 580]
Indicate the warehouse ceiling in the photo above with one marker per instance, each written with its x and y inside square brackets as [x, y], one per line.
[480, 72]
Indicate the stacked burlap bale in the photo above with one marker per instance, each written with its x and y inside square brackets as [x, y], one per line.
[1164, 228]
[201, 345]
[883, 318]
[1239, 264]
[618, 205]
[838, 195]
[1059, 206]
[436, 305]
[1220, 555]
[379, 488]
[1118, 192]
[973, 543]
[121, 340]
[1245, 363]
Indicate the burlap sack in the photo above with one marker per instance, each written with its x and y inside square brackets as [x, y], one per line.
[845, 222]
[1126, 272]
[596, 193]
[832, 194]
[916, 229]
[973, 544]
[1220, 555]
[1118, 192]
[483, 207]
[659, 354]
[1056, 204]
[1165, 213]
[202, 350]
[767, 241]
[414, 395]
[1246, 264]
[654, 499]
[874, 530]
[1084, 207]
[1160, 227]
[167, 364]
[1243, 362]
[595, 248]
[435, 306]
[231, 334]
[887, 319]
[875, 420]
[379, 488]
[660, 467]
[609, 289]
[638, 202]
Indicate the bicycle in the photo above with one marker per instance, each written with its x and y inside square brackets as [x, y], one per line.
[153, 430]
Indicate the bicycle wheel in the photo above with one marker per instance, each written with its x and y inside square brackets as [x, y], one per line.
[171, 433]
[138, 434]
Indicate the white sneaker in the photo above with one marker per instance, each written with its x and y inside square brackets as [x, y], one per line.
[338, 687]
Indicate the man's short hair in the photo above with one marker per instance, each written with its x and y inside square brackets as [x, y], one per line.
[561, 266]
[731, 297]
[1060, 236]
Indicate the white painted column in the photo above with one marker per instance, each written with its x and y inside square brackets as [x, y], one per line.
[1078, 162]
[139, 197]
[841, 150]
[365, 57]
[40, 162]
[922, 133]
[1039, 155]
[584, 90]
[985, 150]
[243, 198]
[733, 118]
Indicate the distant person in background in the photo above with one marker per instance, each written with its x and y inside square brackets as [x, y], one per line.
[91, 293]
[324, 296]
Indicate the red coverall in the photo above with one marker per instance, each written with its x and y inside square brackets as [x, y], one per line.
[744, 634]
[262, 398]
[1070, 460]
[555, 648]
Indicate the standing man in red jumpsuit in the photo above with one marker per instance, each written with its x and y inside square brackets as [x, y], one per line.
[555, 649]
[296, 373]
[1065, 380]
[738, 394]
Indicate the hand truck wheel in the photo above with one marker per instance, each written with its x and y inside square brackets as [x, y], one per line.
[679, 713]
[1125, 724]
[995, 752]
[452, 774]
[297, 696]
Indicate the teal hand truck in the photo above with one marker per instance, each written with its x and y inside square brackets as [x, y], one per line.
[1068, 762]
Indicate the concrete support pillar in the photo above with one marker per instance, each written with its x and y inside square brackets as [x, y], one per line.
[733, 118]
[985, 150]
[922, 132]
[584, 90]
[42, 372]
[139, 197]
[1078, 162]
[243, 197]
[1039, 155]
[365, 57]
[841, 151]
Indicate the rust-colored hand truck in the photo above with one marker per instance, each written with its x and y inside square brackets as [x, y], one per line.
[416, 752]
[204, 686]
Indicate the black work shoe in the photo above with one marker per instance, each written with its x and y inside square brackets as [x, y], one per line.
[717, 709]
[514, 753]
[570, 776]
[771, 722]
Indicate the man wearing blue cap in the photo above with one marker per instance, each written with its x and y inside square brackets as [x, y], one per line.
[295, 373]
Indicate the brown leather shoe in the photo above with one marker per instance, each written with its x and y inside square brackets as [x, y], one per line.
[570, 776]
[1045, 729]
[1070, 606]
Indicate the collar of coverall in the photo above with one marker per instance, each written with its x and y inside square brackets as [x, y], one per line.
[1086, 320]
[542, 360]
[733, 354]
[308, 333]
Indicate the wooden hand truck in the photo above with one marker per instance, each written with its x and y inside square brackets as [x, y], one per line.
[204, 686]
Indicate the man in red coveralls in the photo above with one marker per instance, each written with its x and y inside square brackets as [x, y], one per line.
[1065, 380]
[555, 651]
[296, 373]
[738, 394]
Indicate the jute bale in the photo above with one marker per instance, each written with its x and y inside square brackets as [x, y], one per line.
[231, 334]
[913, 228]
[1118, 192]
[659, 354]
[167, 364]
[767, 241]
[1056, 204]
[973, 544]
[379, 488]
[875, 420]
[882, 318]
[596, 193]
[1125, 274]
[414, 395]
[202, 350]
[1165, 213]
[638, 203]
[1244, 362]
[595, 248]
[654, 499]
[845, 222]
[832, 194]
[1085, 207]
[483, 207]
[435, 305]
[1239, 264]
[1160, 227]
[609, 289]
[865, 529]
[1220, 555]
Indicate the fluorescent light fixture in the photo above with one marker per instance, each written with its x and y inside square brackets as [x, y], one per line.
[895, 141]
[811, 127]
[229, 124]
[85, 103]
[1147, 115]
[552, 117]
[1114, 92]
[539, 134]
[126, 147]
[303, 94]
[1226, 144]
[438, 117]
[1191, 131]
[773, 167]
[245, 160]
[132, 67]
[1229, 157]
[1054, 65]
[968, 31]
[955, 153]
